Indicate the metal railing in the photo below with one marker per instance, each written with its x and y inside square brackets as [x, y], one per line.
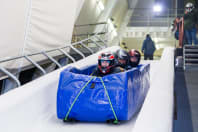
[63, 52]
[84, 31]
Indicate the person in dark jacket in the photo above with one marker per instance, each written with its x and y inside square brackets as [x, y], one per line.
[106, 65]
[190, 22]
[148, 48]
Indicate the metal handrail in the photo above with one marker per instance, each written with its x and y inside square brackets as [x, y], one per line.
[52, 59]
[36, 64]
[78, 51]
[10, 75]
[103, 31]
[91, 24]
[37, 53]
[96, 43]
[87, 47]
[66, 54]
[101, 40]
[89, 34]
[27, 57]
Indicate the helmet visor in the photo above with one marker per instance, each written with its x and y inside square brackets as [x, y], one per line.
[133, 59]
[122, 61]
[105, 63]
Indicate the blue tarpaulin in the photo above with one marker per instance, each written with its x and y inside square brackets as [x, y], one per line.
[126, 91]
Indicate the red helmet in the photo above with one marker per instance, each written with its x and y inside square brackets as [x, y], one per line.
[106, 62]
[134, 57]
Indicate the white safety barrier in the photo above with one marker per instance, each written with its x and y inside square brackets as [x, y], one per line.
[156, 114]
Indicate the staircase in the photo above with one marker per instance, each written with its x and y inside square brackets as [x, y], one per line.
[190, 53]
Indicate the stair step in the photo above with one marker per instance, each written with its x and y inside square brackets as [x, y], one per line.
[191, 60]
[190, 65]
[191, 50]
[191, 55]
[191, 46]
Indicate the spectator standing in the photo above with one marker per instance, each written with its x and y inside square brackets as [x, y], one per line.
[190, 23]
[148, 48]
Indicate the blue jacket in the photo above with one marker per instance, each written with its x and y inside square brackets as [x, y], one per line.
[148, 46]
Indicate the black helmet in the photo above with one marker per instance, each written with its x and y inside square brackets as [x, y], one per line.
[106, 58]
[122, 55]
[134, 57]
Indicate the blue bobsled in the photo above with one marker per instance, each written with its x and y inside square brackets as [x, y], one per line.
[115, 96]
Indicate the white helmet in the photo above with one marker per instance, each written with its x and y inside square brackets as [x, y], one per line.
[189, 7]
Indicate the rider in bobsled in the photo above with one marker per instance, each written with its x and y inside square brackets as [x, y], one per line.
[106, 65]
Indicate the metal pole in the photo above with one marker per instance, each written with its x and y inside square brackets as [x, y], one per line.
[66, 54]
[101, 40]
[52, 59]
[96, 43]
[10, 75]
[36, 64]
[87, 48]
[76, 50]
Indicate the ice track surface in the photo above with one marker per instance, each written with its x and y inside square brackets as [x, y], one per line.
[32, 107]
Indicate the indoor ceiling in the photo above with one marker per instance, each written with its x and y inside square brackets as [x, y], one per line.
[143, 14]
[144, 17]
